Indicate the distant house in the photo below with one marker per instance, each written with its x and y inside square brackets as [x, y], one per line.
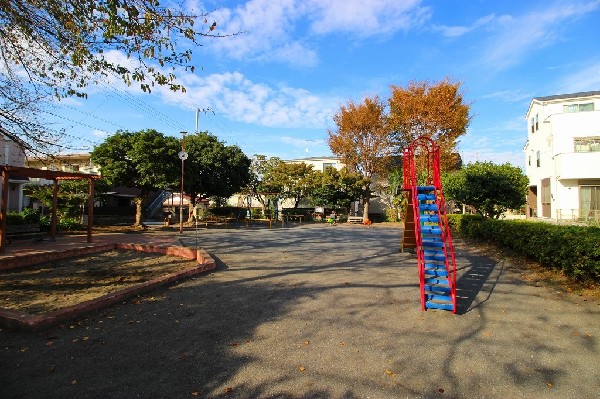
[11, 154]
[320, 163]
[562, 157]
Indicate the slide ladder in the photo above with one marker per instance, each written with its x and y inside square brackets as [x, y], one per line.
[426, 226]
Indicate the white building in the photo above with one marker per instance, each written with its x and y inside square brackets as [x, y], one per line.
[12, 155]
[562, 156]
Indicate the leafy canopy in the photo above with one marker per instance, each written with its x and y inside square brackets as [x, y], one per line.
[214, 169]
[57, 48]
[490, 189]
[146, 160]
[290, 180]
[337, 188]
[437, 111]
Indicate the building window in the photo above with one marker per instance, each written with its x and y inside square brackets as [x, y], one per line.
[578, 107]
[537, 155]
[532, 125]
[537, 126]
[589, 201]
[529, 160]
[587, 144]
[328, 165]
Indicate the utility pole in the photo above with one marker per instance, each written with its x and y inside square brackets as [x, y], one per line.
[183, 156]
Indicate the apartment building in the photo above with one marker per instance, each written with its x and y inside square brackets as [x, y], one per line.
[562, 157]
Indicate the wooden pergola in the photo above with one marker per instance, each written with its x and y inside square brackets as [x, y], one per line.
[53, 175]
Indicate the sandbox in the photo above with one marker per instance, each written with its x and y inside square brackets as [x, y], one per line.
[95, 276]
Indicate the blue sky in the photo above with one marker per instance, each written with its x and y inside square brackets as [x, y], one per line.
[273, 89]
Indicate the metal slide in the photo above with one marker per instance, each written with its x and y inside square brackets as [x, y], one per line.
[426, 226]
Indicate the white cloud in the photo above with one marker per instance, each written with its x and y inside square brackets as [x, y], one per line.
[241, 100]
[278, 31]
[509, 95]
[100, 134]
[515, 158]
[302, 143]
[457, 31]
[521, 35]
[586, 79]
[365, 19]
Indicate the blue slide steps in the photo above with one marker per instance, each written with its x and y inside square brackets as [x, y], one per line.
[436, 285]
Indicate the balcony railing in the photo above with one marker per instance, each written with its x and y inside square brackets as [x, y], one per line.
[578, 216]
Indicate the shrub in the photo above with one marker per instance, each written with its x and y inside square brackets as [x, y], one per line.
[63, 224]
[573, 249]
[27, 216]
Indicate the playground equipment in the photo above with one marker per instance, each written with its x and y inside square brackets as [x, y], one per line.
[426, 226]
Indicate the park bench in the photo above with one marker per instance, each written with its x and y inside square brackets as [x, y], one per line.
[355, 219]
[24, 231]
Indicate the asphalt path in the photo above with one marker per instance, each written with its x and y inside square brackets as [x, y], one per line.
[317, 311]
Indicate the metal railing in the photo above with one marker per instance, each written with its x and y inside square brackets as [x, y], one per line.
[575, 215]
[157, 203]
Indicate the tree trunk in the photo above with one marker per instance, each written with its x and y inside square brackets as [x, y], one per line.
[138, 211]
[190, 212]
[366, 210]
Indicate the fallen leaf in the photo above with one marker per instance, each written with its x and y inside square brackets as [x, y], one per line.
[25, 349]
[390, 373]
[73, 382]
[302, 368]
[441, 390]
[85, 338]
[342, 343]
[228, 390]
[196, 393]
[550, 385]
[49, 343]
[306, 342]
[234, 344]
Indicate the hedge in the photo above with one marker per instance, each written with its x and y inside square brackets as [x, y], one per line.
[573, 249]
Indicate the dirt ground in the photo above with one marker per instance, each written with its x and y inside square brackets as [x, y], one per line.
[65, 282]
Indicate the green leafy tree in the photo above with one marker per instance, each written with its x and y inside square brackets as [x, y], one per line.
[258, 187]
[57, 48]
[146, 160]
[72, 196]
[290, 180]
[337, 188]
[490, 189]
[214, 169]
[362, 141]
[391, 193]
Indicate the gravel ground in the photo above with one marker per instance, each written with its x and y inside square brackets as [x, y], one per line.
[317, 311]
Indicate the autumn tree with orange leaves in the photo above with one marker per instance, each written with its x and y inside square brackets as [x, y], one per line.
[362, 141]
[437, 111]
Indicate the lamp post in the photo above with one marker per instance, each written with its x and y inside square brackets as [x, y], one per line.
[183, 156]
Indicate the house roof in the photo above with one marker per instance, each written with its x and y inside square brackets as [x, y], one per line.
[567, 96]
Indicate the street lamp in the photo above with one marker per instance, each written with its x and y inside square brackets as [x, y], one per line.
[183, 156]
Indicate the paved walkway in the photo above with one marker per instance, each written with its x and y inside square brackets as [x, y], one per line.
[317, 311]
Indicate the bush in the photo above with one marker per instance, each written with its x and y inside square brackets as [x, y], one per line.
[573, 249]
[63, 224]
[227, 211]
[27, 216]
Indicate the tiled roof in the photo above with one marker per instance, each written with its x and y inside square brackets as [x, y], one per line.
[566, 96]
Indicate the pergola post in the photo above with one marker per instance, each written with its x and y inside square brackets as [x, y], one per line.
[54, 206]
[4, 210]
[90, 211]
